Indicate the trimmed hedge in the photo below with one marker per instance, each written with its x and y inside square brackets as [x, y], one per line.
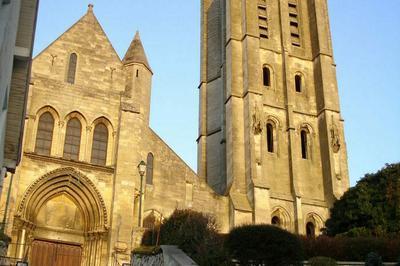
[263, 245]
[351, 249]
[196, 234]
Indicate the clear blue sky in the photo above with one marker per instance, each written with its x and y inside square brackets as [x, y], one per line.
[366, 39]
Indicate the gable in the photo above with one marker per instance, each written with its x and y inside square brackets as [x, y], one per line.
[98, 65]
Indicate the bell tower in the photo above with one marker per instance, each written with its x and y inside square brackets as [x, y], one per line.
[271, 133]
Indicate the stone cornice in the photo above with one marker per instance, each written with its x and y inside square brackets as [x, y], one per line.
[64, 162]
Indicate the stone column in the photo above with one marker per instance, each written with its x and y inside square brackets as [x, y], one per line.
[93, 249]
[21, 244]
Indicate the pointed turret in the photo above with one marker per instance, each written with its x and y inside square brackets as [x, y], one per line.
[138, 77]
[136, 53]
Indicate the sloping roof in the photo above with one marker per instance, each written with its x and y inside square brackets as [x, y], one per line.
[136, 53]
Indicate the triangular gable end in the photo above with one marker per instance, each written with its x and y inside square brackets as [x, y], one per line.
[88, 18]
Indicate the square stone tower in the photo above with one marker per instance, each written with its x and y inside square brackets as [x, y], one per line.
[271, 133]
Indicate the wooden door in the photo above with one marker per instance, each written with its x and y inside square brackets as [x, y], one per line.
[47, 253]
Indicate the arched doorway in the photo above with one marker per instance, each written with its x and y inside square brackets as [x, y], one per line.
[276, 221]
[310, 229]
[313, 224]
[281, 218]
[62, 218]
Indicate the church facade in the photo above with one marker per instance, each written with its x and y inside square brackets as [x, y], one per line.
[271, 145]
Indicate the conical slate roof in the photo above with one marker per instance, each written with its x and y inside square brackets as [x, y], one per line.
[136, 53]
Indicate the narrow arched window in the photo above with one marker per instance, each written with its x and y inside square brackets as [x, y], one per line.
[44, 135]
[266, 77]
[72, 140]
[99, 145]
[298, 83]
[149, 169]
[310, 229]
[304, 140]
[73, 60]
[276, 221]
[270, 138]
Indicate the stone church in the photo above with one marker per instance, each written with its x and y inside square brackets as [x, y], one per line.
[271, 145]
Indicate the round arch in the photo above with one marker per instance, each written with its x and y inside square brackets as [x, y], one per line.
[306, 126]
[72, 183]
[274, 120]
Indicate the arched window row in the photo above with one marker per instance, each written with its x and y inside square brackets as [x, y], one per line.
[272, 141]
[267, 78]
[281, 218]
[74, 136]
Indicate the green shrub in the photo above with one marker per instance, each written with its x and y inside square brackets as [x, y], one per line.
[357, 232]
[322, 261]
[193, 232]
[371, 208]
[351, 249]
[263, 244]
[373, 259]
